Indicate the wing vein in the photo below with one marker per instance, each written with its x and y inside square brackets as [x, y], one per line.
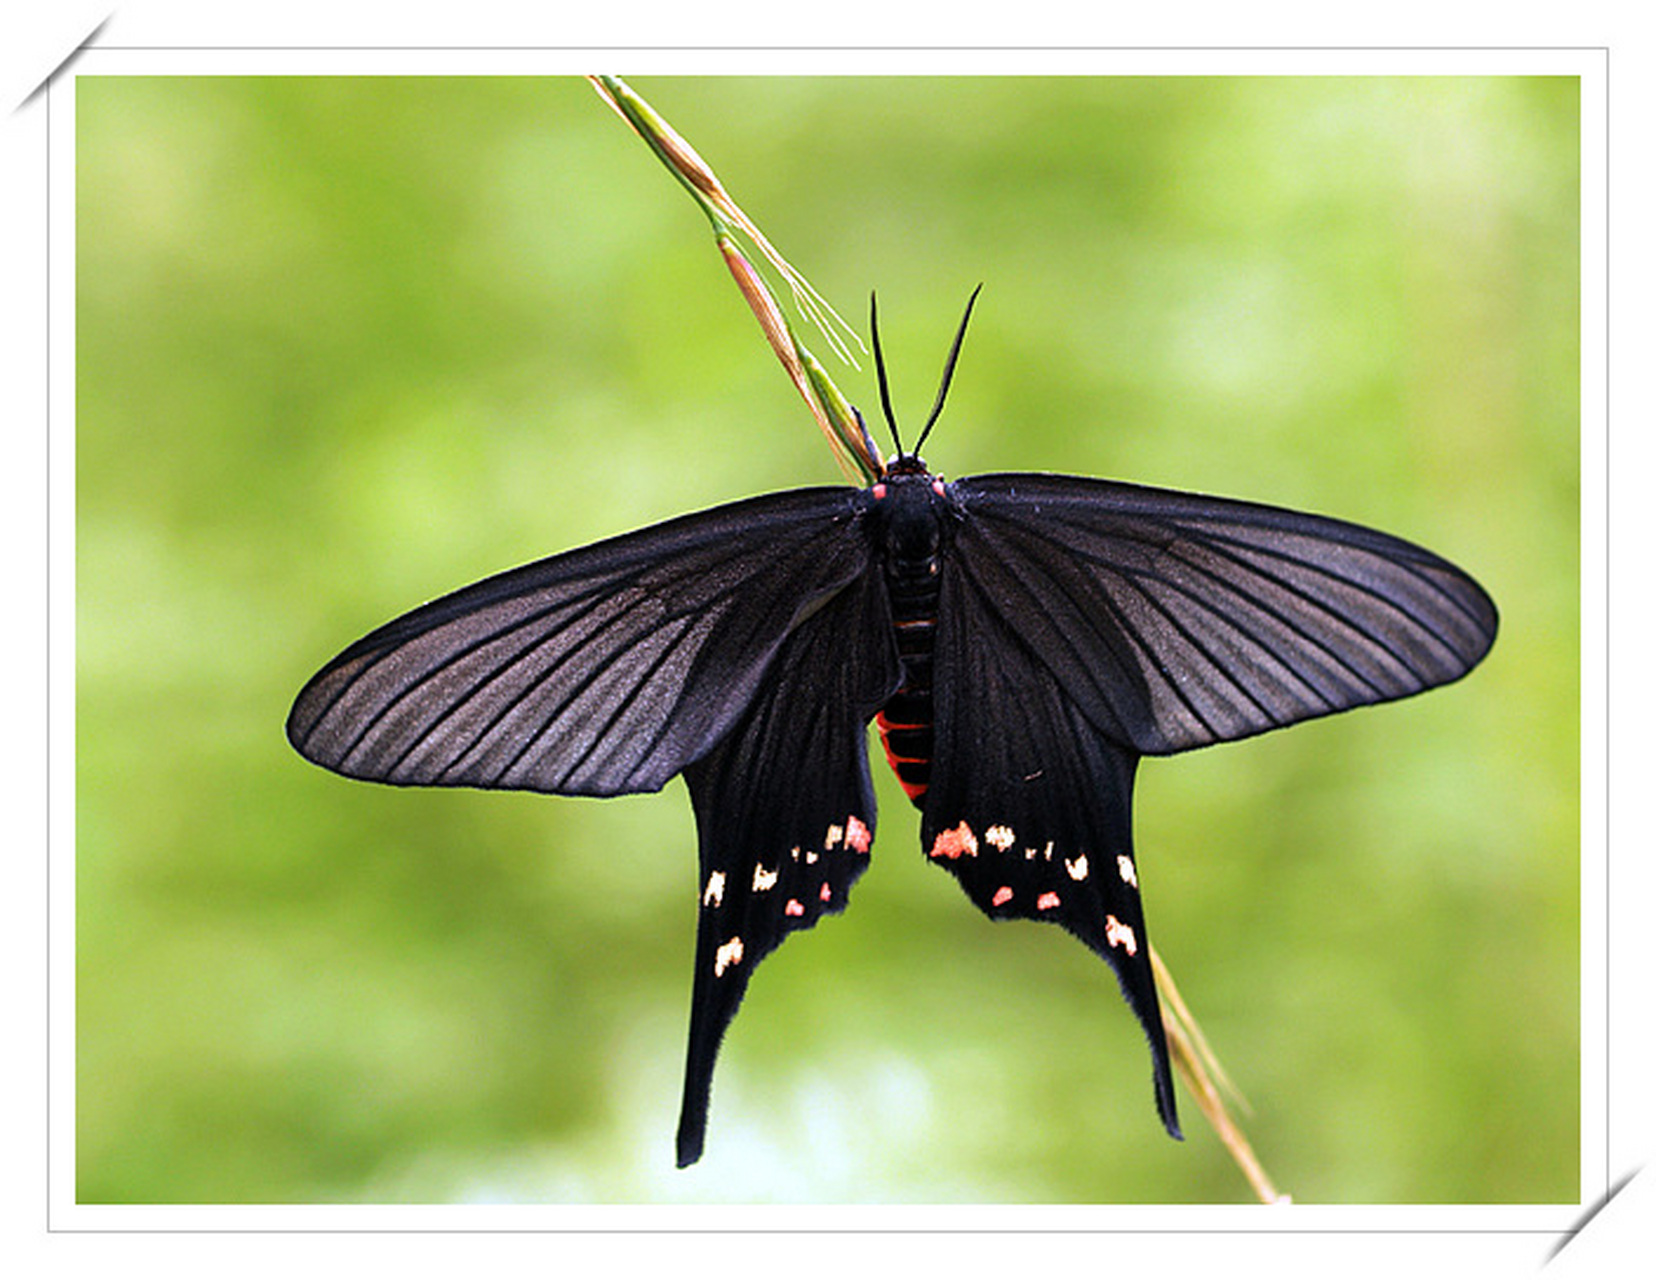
[1218, 543]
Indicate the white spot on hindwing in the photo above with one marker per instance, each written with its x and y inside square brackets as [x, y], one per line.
[713, 895]
[836, 833]
[1120, 935]
[1000, 836]
[727, 955]
[1077, 869]
[1129, 873]
[763, 879]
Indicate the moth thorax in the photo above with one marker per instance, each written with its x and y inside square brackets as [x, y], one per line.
[913, 534]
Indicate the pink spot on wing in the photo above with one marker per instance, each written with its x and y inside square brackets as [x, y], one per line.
[794, 908]
[1120, 935]
[857, 836]
[1003, 895]
[1046, 902]
[954, 842]
[827, 891]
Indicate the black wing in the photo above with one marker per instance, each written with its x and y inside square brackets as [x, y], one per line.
[1030, 806]
[1173, 620]
[1082, 623]
[785, 814]
[601, 671]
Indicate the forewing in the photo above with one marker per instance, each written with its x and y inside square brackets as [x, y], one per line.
[1030, 806]
[601, 671]
[785, 815]
[1173, 620]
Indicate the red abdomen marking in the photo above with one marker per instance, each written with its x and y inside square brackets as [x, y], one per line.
[906, 719]
[908, 752]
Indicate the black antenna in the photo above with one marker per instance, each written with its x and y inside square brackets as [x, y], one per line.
[879, 369]
[948, 370]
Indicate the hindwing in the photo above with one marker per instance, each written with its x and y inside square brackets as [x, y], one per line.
[1030, 805]
[784, 814]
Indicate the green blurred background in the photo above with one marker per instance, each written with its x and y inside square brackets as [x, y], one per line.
[345, 344]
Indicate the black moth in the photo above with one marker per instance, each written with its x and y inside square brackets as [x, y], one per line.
[1021, 639]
